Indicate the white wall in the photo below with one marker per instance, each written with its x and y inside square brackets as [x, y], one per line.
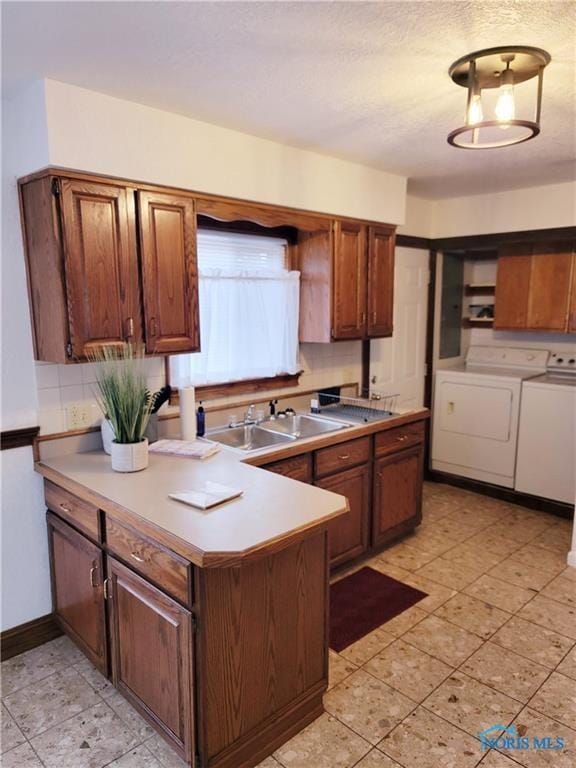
[25, 576]
[418, 220]
[55, 124]
[94, 132]
[543, 207]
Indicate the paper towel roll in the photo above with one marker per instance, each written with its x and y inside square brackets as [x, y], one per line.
[187, 413]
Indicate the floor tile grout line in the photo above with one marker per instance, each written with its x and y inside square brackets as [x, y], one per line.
[34, 682]
[435, 715]
[61, 722]
[515, 616]
[119, 757]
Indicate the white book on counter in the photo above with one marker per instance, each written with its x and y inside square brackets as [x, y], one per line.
[190, 449]
[207, 495]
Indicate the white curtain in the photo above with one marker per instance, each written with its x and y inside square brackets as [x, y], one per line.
[248, 327]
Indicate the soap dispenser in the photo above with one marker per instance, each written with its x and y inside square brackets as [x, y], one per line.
[200, 421]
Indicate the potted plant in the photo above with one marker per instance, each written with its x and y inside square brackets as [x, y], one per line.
[125, 403]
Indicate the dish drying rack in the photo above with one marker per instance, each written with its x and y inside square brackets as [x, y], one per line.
[374, 407]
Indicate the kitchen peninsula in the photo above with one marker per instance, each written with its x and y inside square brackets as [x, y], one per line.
[214, 623]
[217, 630]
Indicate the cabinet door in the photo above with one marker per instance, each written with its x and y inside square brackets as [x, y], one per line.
[512, 287]
[380, 282]
[101, 264]
[151, 639]
[572, 309]
[397, 498]
[77, 578]
[297, 468]
[348, 534]
[549, 287]
[169, 272]
[349, 281]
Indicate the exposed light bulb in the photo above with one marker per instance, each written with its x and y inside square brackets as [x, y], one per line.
[505, 108]
[475, 112]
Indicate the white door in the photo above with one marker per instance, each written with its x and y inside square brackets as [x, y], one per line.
[398, 364]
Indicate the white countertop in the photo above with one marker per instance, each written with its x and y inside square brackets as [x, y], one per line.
[272, 507]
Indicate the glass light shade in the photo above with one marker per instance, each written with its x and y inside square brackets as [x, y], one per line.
[505, 109]
[475, 111]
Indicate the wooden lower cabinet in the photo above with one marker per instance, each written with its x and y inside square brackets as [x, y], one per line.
[151, 640]
[348, 534]
[77, 589]
[397, 494]
[227, 688]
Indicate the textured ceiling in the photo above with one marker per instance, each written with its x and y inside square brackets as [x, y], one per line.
[363, 81]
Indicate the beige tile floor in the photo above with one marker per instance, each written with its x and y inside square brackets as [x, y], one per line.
[494, 642]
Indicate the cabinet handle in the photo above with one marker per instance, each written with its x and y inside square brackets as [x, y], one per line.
[402, 438]
[374, 318]
[107, 590]
[344, 456]
[153, 325]
[65, 507]
[129, 328]
[137, 557]
[92, 572]
[363, 318]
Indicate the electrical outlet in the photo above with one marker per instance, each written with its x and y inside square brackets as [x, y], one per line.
[78, 416]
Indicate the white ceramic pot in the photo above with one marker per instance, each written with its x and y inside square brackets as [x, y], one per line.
[130, 457]
[107, 435]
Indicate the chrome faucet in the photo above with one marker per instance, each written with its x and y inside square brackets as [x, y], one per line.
[249, 418]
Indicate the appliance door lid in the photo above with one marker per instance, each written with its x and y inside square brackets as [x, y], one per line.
[476, 409]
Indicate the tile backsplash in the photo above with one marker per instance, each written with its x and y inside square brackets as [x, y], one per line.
[62, 387]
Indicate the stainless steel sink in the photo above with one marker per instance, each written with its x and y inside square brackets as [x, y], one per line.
[302, 426]
[249, 438]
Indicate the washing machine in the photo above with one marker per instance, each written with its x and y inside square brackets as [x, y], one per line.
[546, 463]
[476, 412]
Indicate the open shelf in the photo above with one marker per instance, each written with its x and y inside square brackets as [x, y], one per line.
[478, 322]
[480, 288]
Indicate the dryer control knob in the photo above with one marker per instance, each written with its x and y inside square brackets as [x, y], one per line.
[560, 360]
[571, 361]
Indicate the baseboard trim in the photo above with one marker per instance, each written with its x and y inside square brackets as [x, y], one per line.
[27, 636]
[558, 508]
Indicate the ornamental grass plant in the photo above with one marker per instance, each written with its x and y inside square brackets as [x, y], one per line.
[121, 390]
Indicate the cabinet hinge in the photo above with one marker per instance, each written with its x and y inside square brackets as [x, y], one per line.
[198, 762]
[69, 349]
[195, 623]
[56, 188]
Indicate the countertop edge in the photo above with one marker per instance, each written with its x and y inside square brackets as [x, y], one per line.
[186, 549]
[268, 456]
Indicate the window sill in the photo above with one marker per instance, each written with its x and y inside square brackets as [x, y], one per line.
[231, 388]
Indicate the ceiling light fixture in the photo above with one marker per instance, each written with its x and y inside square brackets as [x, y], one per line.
[501, 68]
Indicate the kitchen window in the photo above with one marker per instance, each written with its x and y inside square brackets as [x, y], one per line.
[249, 306]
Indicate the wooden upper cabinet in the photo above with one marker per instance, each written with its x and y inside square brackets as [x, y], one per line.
[169, 272]
[381, 244]
[349, 281]
[572, 307]
[101, 264]
[512, 287]
[535, 287]
[549, 297]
